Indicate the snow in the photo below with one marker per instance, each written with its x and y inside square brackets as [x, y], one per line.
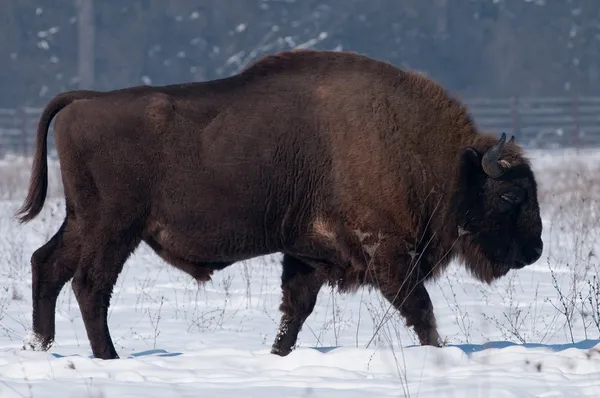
[531, 334]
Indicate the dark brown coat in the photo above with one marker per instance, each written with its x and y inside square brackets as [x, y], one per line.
[358, 172]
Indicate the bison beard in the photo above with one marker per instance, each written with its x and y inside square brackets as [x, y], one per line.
[358, 172]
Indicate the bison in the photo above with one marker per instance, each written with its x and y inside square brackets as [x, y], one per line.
[357, 172]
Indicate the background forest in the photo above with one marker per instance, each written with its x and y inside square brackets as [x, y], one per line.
[474, 47]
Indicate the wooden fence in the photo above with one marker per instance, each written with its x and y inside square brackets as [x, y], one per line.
[538, 122]
[541, 122]
[17, 131]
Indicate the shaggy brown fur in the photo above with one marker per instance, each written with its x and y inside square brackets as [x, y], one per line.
[358, 172]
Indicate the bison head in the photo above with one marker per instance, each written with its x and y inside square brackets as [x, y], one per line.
[497, 210]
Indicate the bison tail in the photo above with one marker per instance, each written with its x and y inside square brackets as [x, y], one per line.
[38, 185]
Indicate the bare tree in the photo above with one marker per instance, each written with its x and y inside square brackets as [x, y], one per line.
[86, 54]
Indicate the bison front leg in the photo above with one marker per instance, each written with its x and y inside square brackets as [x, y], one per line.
[417, 308]
[408, 295]
[300, 284]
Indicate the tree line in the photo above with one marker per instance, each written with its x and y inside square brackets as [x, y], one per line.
[473, 47]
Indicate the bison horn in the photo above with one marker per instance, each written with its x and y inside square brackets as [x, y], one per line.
[491, 163]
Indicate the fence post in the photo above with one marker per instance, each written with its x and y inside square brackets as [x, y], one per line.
[514, 112]
[576, 127]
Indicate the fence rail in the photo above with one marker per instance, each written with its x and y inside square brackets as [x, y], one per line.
[536, 122]
[541, 122]
[17, 131]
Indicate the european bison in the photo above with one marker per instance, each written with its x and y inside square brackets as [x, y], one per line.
[358, 172]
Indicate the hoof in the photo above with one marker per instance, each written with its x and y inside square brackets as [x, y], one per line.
[279, 351]
[108, 358]
[34, 342]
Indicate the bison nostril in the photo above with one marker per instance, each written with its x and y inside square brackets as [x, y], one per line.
[536, 253]
[532, 252]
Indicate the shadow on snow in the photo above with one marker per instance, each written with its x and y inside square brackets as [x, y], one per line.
[472, 348]
[466, 348]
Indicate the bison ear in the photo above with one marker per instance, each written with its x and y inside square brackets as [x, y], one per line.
[470, 160]
[470, 166]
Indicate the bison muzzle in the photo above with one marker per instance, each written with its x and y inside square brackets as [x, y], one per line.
[358, 172]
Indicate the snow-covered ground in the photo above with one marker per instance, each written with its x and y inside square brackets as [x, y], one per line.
[534, 333]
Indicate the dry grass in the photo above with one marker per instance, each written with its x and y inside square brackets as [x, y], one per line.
[569, 194]
[14, 178]
[567, 175]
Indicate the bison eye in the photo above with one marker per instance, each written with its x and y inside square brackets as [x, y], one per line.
[512, 198]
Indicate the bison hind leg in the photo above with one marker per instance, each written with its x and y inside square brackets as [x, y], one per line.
[103, 254]
[52, 266]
